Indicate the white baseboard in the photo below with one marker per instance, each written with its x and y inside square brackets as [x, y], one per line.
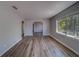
[10, 47]
[65, 45]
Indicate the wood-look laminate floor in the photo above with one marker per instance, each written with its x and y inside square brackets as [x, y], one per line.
[39, 47]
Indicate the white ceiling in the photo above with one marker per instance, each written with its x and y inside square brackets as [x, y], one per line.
[40, 9]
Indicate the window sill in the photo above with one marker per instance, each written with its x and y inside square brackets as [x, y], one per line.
[74, 37]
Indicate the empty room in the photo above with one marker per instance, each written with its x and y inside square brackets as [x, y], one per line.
[39, 28]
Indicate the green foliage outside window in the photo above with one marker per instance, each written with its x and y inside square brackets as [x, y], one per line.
[62, 24]
[66, 24]
[69, 25]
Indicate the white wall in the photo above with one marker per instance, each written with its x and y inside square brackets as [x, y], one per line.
[71, 43]
[28, 26]
[10, 28]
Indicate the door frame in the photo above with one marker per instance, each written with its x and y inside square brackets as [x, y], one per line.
[36, 23]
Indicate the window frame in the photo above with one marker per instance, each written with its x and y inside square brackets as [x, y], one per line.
[57, 27]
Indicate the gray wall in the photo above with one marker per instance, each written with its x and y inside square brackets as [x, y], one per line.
[71, 43]
[10, 28]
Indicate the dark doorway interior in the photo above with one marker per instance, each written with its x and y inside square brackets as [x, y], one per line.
[22, 29]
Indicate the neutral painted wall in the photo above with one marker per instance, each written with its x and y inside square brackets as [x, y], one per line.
[10, 28]
[28, 26]
[68, 41]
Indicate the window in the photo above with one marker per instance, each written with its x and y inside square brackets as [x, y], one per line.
[62, 25]
[69, 26]
[77, 25]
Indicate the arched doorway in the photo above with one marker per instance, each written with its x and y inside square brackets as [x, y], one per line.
[37, 29]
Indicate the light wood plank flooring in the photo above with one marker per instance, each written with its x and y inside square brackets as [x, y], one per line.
[39, 47]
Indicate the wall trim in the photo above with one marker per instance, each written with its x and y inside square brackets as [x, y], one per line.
[65, 45]
[11, 48]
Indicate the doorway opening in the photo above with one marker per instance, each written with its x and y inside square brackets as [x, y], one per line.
[37, 29]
